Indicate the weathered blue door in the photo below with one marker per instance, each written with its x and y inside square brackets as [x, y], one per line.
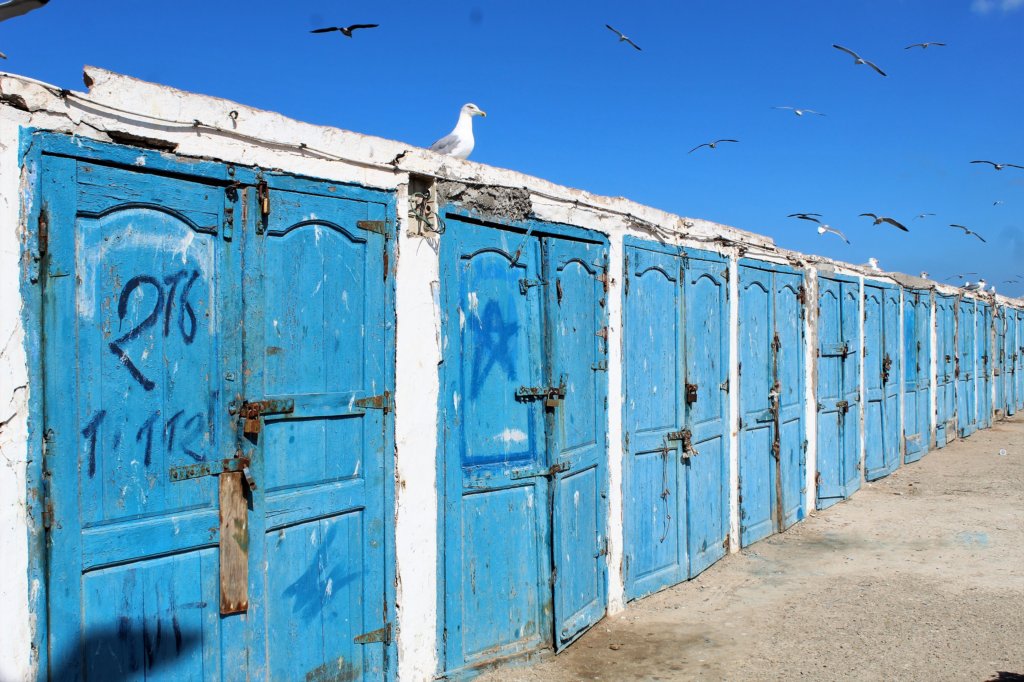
[676, 470]
[1018, 360]
[523, 408]
[916, 385]
[1000, 370]
[772, 448]
[966, 407]
[945, 353]
[160, 568]
[320, 345]
[881, 380]
[838, 474]
[1009, 351]
[985, 364]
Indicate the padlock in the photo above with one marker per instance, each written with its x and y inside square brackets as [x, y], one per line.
[252, 426]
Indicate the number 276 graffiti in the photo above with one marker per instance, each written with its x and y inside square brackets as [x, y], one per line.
[166, 292]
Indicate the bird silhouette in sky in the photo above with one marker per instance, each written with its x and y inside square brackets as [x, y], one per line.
[857, 59]
[622, 37]
[967, 231]
[344, 30]
[709, 145]
[882, 219]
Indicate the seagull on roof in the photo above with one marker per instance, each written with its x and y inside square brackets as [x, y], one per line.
[813, 217]
[822, 229]
[709, 145]
[872, 264]
[967, 231]
[979, 285]
[344, 30]
[15, 8]
[999, 166]
[622, 38]
[923, 215]
[924, 274]
[857, 59]
[925, 46]
[459, 143]
[882, 219]
[800, 112]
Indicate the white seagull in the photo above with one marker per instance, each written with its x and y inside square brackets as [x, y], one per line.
[857, 59]
[967, 231]
[873, 264]
[622, 38]
[709, 145]
[923, 215]
[459, 143]
[800, 112]
[999, 166]
[822, 229]
[924, 46]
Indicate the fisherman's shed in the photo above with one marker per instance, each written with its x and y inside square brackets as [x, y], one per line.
[289, 402]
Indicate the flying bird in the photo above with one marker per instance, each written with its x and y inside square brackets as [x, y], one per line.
[967, 231]
[622, 38]
[15, 8]
[999, 166]
[709, 145]
[800, 112]
[924, 46]
[813, 217]
[882, 219]
[923, 215]
[857, 59]
[344, 30]
[1011, 281]
[822, 229]
[959, 276]
[459, 143]
[996, 203]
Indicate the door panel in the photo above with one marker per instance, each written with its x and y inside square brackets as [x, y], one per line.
[945, 320]
[497, 602]
[789, 319]
[916, 401]
[1009, 352]
[320, 343]
[881, 380]
[758, 495]
[967, 416]
[984, 364]
[654, 380]
[136, 319]
[707, 368]
[575, 319]
[831, 348]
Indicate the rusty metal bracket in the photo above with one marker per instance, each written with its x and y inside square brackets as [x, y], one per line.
[253, 411]
[382, 635]
[200, 469]
[375, 226]
[377, 402]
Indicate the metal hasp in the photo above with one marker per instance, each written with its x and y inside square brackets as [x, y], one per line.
[552, 395]
[377, 402]
[200, 469]
[374, 636]
[252, 411]
[686, 438]
[554, 469]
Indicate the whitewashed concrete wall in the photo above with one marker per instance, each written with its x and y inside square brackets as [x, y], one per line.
[207, 127]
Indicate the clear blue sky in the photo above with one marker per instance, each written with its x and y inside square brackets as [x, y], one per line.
[568, 103]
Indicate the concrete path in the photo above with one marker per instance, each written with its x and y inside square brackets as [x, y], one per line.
[919, 577]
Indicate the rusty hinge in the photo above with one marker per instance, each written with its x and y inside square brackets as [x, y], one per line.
[725, 542]
[605, 279]
[725, 276]
[801, 294]
[602, 548]
[375, 226]
[603, 333]
[803, 445]
[377, 402]
[724, 386]
[382, 635]
[601, 366]
[228, 229]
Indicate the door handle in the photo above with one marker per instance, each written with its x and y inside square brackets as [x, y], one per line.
[550, 472]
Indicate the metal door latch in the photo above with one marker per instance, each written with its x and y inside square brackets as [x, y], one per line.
[844, 406]
[252, 411]
[887, 365]
[557, 468]
[224, 466]
[686, 438]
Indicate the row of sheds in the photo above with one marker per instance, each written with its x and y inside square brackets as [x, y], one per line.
[272, 434]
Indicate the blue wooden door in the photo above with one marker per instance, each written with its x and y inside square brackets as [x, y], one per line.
[916, 387]
[577, 355]
[169, 306]
[676, 380]
[771, 399]
[141, 291]
[1009, 352]
[881, 380]
[1018, 361]
[985, 364]
[656, 551]
[1000, 370]
[966, 408]
[523, 407]
[838, 474]
[945, 353]
[321, 344]
[705, 459]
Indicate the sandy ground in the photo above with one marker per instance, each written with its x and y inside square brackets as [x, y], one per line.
[920, 576]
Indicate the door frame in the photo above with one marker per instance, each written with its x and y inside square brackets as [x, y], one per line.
[526, 228]
[34, 145]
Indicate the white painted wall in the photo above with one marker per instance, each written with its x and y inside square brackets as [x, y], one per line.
[258, 138]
